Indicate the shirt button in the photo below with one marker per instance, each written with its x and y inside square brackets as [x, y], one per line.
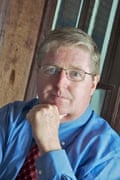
[40, 172]
[63, 143]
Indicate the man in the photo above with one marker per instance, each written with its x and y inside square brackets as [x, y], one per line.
[73, 141]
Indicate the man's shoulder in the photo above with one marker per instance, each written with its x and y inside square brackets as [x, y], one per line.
[17, 107]
[20, 104]
[104, 129]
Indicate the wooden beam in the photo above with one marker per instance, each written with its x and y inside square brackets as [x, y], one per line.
[17, 45]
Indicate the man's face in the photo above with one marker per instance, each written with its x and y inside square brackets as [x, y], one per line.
[71, 98]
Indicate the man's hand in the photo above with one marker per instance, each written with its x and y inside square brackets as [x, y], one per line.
[45, 120]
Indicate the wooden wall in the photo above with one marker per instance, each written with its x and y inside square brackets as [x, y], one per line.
[20, 22]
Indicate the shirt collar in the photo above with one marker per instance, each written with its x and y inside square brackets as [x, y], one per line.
[69, 128]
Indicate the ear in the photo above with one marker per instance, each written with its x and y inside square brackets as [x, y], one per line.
[94, 83]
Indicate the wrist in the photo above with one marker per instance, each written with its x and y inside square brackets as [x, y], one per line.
[46, 149]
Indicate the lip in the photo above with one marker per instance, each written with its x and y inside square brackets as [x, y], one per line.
[59, 99]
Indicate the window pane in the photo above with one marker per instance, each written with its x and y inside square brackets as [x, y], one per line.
[68, 13]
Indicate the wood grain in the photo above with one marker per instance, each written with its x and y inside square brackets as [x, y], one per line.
[19, 27]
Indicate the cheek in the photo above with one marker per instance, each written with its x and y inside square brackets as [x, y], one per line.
[41, 86]
[82, 93]
[43, 89]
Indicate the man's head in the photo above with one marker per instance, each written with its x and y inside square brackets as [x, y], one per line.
[68, 71]
[71, 37]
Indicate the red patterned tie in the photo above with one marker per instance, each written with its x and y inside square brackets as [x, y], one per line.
[29, 171]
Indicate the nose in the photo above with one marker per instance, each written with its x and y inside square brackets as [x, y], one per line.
[62, 80]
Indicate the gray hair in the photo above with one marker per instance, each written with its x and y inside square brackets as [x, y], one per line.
[71, 37]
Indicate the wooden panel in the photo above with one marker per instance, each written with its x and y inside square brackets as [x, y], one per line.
[47, 21]
[17, 45]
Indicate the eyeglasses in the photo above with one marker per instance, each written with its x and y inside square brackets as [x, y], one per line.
[73, 74]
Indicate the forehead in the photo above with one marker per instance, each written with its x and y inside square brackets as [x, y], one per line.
[67, 56]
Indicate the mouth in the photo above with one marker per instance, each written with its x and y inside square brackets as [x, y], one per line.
[62, 103]
[58, 100]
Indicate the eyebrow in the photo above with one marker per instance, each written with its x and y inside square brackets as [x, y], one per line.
[71, 66]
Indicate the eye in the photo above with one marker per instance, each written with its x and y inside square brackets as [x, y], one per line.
[75, 75]
[51, 70]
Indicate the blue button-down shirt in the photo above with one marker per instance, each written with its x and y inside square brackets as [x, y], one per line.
[90, 147]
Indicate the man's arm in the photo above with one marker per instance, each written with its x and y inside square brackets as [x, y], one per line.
[53, 163]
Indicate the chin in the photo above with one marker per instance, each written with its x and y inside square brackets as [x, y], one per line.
[62, 110]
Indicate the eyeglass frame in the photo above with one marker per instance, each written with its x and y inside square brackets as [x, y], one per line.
[59, 69]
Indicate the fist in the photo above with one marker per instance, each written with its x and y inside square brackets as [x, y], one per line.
[45, 120]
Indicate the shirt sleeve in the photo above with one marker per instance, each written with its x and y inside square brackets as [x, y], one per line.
[108, 169]
[55, 165]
